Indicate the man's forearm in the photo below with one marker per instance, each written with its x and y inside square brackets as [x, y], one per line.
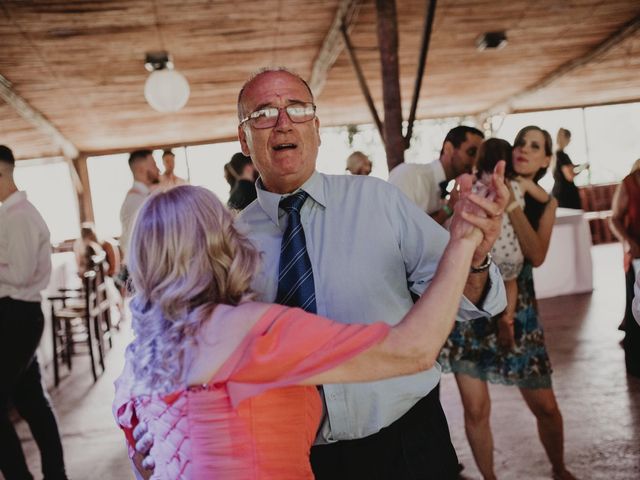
[475, 288]
[439, 216]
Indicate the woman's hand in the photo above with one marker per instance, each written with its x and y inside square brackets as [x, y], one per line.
[454, 196]
[142, 460]
[491, 205]
[526, 184]
[461, 228]
[632, 248]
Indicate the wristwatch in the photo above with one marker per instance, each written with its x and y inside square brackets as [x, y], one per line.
[483, 267]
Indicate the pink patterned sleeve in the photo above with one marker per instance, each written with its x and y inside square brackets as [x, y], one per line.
[285, 348]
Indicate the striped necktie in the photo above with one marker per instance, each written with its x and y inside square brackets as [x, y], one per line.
[295, 279]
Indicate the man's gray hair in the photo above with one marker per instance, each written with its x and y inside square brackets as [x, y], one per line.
[262, 71]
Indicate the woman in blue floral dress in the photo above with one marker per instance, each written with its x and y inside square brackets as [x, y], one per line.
[512, 351]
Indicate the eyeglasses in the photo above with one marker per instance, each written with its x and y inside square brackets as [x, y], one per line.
[268, 117]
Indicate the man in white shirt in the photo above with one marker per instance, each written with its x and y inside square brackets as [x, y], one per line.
[168, 178]
[424, 183]
[25, 268]
[146, 175]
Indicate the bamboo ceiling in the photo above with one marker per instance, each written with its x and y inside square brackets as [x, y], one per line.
[80, 63]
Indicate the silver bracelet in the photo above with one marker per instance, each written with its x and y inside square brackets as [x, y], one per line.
[484, 267]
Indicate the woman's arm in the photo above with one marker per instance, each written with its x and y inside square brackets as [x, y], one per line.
[414, 344]
[533, 189]
[570, 171]
[534, 244]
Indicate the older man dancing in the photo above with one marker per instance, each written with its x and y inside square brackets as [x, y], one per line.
[368, 249]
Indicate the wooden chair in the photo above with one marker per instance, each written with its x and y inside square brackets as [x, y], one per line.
[596, 202]
[81, 320]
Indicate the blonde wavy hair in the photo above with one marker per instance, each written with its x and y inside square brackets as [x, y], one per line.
[186, 256]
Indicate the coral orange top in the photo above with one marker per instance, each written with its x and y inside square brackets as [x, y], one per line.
[251, 421]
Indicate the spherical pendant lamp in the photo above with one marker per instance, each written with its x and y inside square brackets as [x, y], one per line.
[166, 89]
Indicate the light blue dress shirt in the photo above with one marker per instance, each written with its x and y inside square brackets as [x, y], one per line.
[369, 245]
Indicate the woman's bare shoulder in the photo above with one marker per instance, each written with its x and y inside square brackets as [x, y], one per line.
[220, 335]
[232, 321]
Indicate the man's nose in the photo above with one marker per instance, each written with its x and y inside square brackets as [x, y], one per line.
[284, 122]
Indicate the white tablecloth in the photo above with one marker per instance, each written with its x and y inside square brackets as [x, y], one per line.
[567, 268]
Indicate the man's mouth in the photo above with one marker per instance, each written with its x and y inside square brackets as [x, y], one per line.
[284, 146]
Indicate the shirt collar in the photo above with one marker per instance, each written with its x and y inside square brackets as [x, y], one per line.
[269, 201]
[141, 187]
[13, 199]
[438, 172]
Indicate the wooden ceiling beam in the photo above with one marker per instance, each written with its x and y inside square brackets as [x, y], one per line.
[506, 106]
[35, 118]
[332, 45]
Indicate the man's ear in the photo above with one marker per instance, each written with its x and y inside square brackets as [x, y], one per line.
[242, 137]
[317, 123]
[448, 148]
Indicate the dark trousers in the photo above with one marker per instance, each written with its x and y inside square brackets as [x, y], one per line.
[417, 446]
[21, 325]
[631, 340]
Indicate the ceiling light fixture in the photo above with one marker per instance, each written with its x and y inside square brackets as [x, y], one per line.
[491, 40]
[166, 89]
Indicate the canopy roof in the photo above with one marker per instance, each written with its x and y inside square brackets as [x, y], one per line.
[76, 68]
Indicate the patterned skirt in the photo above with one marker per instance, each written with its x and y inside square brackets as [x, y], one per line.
[472, 347]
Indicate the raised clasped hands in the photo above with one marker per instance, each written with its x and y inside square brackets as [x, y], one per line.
[478, 215]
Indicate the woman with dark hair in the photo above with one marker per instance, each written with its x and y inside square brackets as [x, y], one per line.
[241, 176]
[506, 252]
[475, 351]
[564, 172]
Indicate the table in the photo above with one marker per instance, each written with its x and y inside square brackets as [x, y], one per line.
[567, 268]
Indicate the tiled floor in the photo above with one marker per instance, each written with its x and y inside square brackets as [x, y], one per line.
[600, 404]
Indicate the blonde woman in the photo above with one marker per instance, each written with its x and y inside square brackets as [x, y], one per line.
[226, 385]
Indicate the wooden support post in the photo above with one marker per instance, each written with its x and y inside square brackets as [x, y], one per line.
[85, 206]
[422, 60]
[362, 81]
[332, 45]
[388, 42]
